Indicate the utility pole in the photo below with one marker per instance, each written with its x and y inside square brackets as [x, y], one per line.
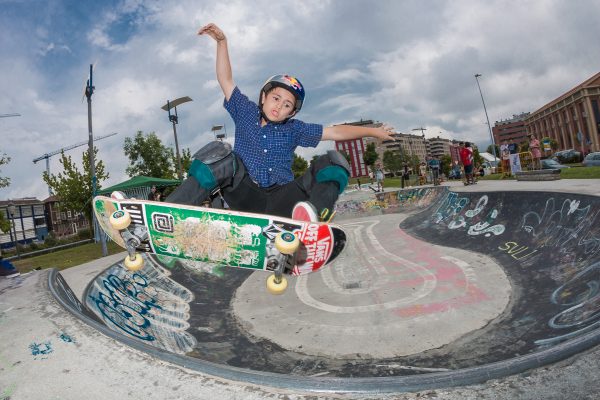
[175, 120]
[89, 90]
[487, 119]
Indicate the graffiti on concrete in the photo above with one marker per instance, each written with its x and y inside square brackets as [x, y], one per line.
[477, 221]
[569, 232]
[145, 305]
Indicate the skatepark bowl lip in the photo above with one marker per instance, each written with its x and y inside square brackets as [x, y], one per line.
[320, 384]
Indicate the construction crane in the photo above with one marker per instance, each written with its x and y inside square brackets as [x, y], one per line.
[73, 146]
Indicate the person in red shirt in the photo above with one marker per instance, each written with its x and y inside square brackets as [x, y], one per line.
[466, 157]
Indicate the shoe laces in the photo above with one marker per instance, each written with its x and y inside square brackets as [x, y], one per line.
[326, 215]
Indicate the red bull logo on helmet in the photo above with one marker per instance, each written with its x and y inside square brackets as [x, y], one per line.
[293, 82]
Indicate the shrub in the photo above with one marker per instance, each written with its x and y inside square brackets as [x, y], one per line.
[84, 234]
[50, 240]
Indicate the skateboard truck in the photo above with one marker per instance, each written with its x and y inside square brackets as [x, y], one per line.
[286, 243]
[120, 220]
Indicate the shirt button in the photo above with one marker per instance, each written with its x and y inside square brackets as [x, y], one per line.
[265, 150]
[265, 136]
[270, 169]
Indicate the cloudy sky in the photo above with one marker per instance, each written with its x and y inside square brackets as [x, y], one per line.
[405, 63]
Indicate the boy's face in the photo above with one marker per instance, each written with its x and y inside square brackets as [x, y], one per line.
[278, 104]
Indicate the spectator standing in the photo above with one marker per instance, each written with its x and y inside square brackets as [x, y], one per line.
[505, 155]
[536, 154]
[466, 157]
[434, 165]
[422, 173]
[379, 178]
[405, 174]
[154, 194]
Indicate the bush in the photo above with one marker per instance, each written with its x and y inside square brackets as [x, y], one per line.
[50, 240]
[84, 234]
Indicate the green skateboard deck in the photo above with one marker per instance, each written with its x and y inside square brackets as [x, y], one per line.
[225, 237]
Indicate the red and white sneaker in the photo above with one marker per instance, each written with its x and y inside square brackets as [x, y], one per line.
[305, 211]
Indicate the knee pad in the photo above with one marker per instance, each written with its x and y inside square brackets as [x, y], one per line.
[214, 165]
[333, 167]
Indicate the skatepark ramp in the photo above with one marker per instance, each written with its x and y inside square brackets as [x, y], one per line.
[478, 285]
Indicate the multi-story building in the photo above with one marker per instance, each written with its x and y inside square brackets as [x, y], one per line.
[572, 119]
[27, 219]
[438, 146]
[355, 149]
[63, 222]
[512, 130]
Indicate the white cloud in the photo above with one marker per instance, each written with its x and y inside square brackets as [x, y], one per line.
[405, 63]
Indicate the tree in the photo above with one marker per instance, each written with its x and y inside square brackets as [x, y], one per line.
[299, 166]
[186, 160]
[370, 155]
[149, 157]
[73, 188]
[489, 150]
[446, 162]
[477, 159]
[392, 161]
[346, 155]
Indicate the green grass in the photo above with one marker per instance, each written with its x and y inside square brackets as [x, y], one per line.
[66, 258]
[579, 172]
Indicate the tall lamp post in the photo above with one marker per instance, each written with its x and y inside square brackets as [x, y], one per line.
[11, 211]
[217, 128]
[89, 91]
[487, 118]
[175, 120]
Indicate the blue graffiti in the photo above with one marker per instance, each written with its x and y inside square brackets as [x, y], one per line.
[128, 304]
[41, 348]
[66, 338]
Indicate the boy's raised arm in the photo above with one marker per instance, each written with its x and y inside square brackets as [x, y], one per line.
[223, 67]
[347, 132]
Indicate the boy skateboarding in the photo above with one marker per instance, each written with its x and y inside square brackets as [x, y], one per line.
[256, 175]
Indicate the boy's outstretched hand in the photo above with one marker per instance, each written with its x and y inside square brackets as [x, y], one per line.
[213, 31]
[384, 132]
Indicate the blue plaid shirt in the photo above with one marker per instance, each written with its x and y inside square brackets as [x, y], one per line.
[268, 151]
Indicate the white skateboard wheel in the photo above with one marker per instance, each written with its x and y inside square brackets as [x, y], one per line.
[286, 242]
[120, 219]
[276, 288]
[134, 265]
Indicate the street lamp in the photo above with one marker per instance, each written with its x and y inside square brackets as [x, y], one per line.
[175, 120]
[217, 128]
[11, 211]
[486, 117]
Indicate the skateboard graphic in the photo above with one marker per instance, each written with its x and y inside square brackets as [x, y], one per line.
[235, 239]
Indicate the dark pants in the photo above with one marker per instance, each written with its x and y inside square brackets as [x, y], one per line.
[242, 194]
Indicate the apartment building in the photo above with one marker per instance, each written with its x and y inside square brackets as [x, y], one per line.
[572, 119]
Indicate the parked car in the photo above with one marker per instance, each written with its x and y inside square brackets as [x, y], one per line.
[567, 156]
[549, 163]
[592, 160]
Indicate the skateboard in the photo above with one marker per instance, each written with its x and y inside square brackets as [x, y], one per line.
[279, 245]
